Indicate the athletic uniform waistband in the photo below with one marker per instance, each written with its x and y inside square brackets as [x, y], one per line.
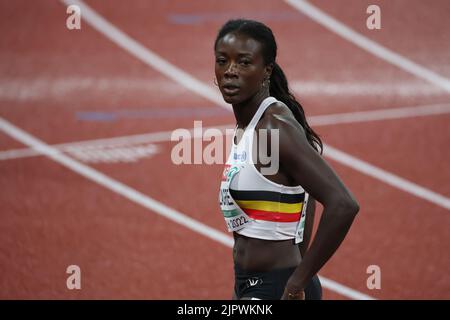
[270, 285]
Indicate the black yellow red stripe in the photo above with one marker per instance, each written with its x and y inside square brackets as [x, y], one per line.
[269, 205]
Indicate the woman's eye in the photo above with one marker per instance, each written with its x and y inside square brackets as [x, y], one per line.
[220, 61]
[245, 62]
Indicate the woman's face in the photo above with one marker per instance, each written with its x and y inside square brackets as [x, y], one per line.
[239, 68]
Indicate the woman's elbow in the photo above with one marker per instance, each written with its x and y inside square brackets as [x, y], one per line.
[349, 206]
[345, 206]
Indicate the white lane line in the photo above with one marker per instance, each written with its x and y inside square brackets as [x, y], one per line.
[24, 89]
[390, 88]
[387, 177]
[370, 46]
[147, 56]
[143, 200]
[345, 291]
[315, 121]
[19, 153]
[123, 141]
[380, 114]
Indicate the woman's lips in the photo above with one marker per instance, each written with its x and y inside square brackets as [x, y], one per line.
[229, 91]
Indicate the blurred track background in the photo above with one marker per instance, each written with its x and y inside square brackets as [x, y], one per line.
[86, 176]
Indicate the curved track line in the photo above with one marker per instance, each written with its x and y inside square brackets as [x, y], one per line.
[370, 46]
[145, 55]
[387, 177]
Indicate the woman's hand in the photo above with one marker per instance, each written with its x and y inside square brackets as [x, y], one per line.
[288, 295]
[292, 292]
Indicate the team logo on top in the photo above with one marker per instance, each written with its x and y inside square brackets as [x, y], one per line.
[225, 172]
[229, 172]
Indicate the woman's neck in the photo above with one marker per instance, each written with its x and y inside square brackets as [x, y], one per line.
[245, 110]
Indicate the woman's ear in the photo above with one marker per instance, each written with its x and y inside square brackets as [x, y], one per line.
[268, 70]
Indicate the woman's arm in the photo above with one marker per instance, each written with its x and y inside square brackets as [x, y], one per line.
[307, 168]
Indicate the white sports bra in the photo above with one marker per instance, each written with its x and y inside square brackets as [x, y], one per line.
[253, 205]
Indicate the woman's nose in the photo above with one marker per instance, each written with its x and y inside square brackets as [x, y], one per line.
[231, 70]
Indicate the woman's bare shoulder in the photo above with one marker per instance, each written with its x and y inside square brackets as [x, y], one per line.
[279, 116]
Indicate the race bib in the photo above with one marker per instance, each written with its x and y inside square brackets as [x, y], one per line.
[235, 217]
[301, 223]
